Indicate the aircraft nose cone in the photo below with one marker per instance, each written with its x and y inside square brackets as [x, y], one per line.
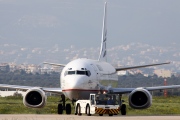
[75, 82]
[74, 87]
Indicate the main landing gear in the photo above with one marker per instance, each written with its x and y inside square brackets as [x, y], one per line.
[122, 106]
[63, 106]
[123, 109]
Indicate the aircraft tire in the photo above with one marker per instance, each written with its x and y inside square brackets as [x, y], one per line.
[88, 110]
[79, 110]
[123, 109]
[76, 110]
[60, 109]
[100, 114]
[68, 109]
[110, 114]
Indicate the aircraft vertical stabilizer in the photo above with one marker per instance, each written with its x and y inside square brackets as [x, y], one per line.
[103, 51]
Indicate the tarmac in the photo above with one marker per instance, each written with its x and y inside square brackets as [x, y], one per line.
[83, 117]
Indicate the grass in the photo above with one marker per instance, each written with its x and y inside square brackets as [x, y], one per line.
[14, 105]
[160, 106]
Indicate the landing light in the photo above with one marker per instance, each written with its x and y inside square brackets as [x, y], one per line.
[104, 92]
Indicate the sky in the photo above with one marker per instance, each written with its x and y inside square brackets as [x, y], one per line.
[45, 23]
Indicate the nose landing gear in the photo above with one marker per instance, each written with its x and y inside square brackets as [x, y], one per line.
[63, 106]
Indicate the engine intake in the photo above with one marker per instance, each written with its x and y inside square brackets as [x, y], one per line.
[35, 98]
[140, 99]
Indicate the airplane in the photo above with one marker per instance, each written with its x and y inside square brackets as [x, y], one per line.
[82, 76]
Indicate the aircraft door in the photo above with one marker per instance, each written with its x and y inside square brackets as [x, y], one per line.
[96, 72]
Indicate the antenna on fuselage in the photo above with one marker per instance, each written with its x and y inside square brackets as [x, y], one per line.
[103, 51]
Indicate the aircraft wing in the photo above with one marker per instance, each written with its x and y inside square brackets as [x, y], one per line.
[45, 89]
[134, 67]
[55, 64]
[129, 90]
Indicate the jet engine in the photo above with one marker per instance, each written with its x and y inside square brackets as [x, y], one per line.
[140, 99]
[35, 98]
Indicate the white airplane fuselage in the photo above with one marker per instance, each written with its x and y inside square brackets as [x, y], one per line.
[81, 77]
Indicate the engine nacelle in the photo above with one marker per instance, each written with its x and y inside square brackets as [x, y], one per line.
[140, 99]
[35, 98]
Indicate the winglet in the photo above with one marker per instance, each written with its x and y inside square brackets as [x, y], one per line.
[103, 51]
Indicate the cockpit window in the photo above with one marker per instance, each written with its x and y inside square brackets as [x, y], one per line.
[78, 72]
[88, 73]
[71, 72]
[81, 72]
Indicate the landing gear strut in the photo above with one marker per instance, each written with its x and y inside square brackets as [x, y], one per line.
[63, 106]
[122, 106]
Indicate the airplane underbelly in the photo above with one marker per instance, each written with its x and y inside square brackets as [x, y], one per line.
[78, 94]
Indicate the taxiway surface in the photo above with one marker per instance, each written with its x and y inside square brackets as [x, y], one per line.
[75, 117]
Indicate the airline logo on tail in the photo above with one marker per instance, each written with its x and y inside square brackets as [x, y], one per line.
[103, 51]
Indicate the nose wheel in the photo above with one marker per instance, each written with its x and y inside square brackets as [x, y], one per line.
[63, 106]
